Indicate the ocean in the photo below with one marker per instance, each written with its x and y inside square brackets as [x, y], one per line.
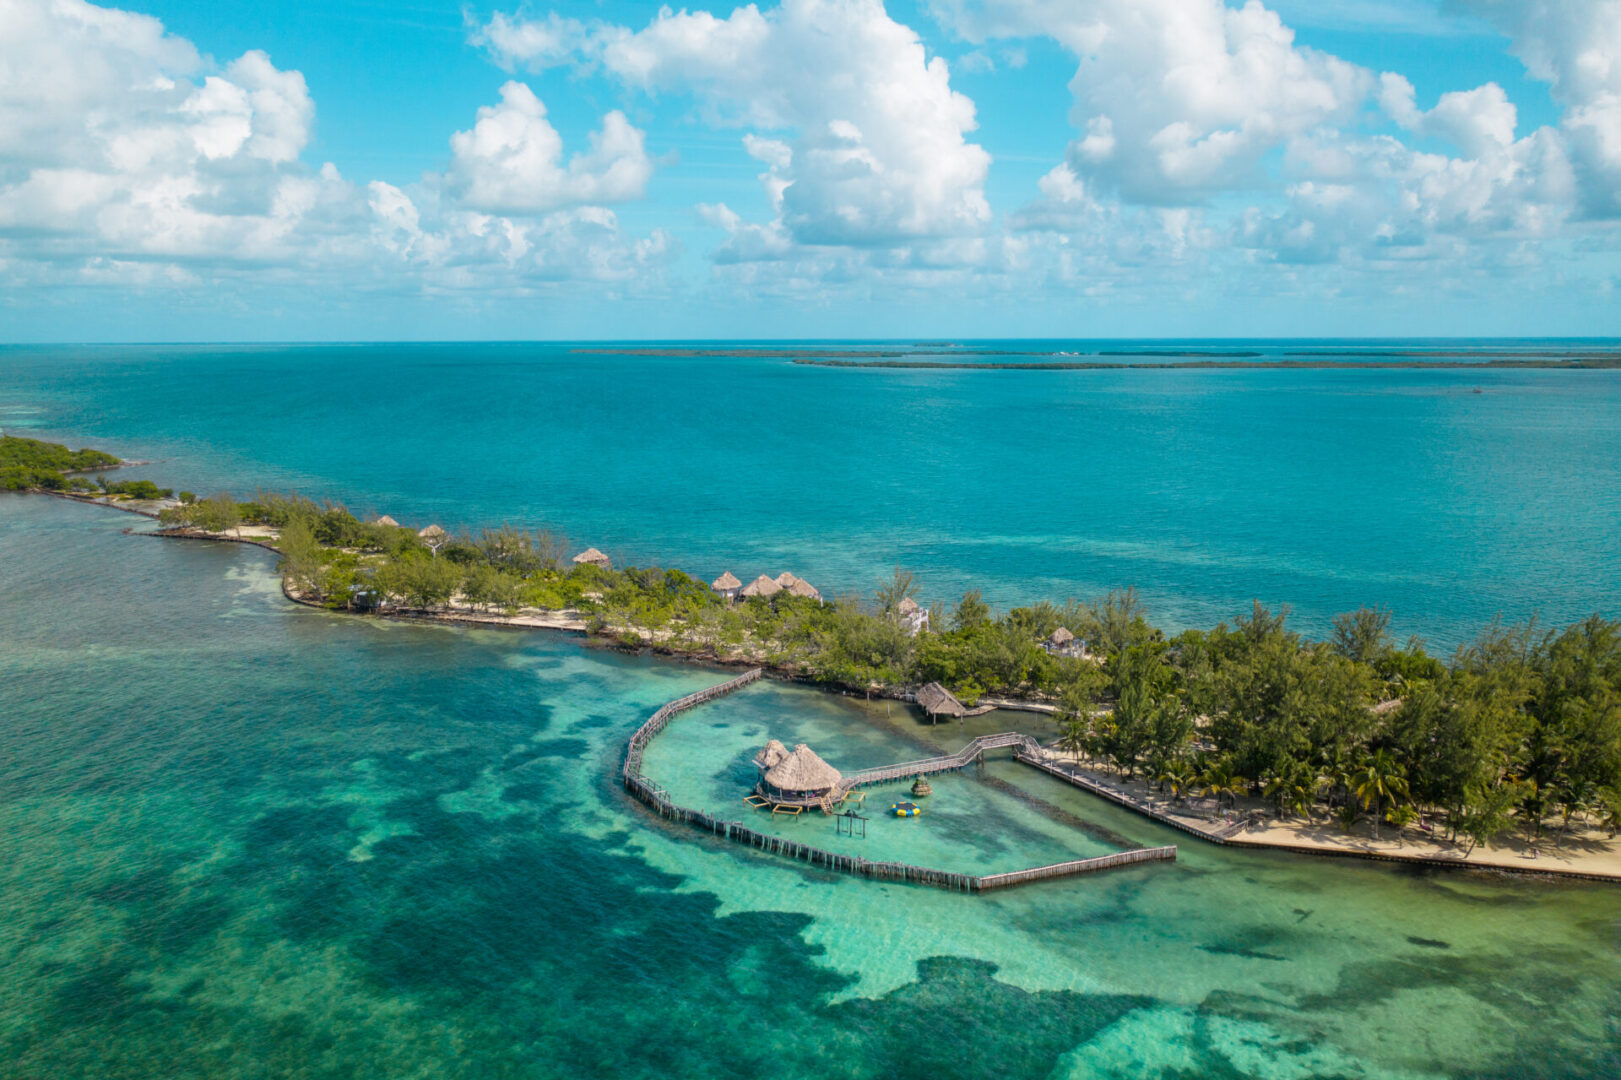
[240, 838]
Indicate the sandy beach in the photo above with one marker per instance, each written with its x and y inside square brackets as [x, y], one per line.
[1582, 852]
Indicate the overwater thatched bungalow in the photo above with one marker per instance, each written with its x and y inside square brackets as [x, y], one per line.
[937, 701]
[797, 777]
[593, 557]
[762, 586]
[727, 585]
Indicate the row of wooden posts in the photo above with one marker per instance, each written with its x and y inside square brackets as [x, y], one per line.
[659, 800]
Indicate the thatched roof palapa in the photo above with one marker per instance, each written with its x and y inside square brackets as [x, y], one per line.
[786, 579]
[802, 770]
[594, 557]
[386, 520]
[762, 586]
[907, 606]
[772, 754]
[801, 587]
[938, 701]
[431, 532]
[1061, 636]
[726, 582]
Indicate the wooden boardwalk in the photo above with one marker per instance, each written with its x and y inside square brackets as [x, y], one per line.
[655, 797]
[945, 763]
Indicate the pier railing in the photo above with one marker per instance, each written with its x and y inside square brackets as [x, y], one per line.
[657, 799]
[945, 763]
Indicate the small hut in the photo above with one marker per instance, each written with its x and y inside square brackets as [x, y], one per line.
[388, 521]
[912, 615]
[794, 778]
[937, 701]
[434, 537]
[727, 585]
[1063, 643]
[591, 556]
[801, 587]
[762, 586]
[786, 579]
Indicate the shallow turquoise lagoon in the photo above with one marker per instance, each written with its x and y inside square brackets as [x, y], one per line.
[976, 822]
[244, 839]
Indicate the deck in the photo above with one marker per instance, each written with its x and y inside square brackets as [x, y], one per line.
[657, 799]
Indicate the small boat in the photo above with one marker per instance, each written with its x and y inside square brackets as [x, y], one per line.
[921, 788]
[903, 809]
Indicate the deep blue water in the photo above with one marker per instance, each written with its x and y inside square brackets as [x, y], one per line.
[1450, 497]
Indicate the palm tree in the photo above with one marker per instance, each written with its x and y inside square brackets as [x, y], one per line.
[1294, 792]
[1382, 780]
[1073, 738]
[1222, 783]
[1179, 777]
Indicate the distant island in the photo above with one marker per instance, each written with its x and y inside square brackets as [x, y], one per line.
[1353, 745]
[1147, 359]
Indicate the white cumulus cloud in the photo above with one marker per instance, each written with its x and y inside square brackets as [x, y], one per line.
[866, 138]
[512, 160]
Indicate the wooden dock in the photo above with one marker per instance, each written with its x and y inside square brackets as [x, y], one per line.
[945, 763]
[657, 799]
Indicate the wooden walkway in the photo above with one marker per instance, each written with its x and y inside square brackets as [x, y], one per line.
[658, 799]
[946, 763]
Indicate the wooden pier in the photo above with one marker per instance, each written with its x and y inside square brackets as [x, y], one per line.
[657, 799]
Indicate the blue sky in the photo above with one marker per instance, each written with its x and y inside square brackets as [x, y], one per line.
[178, 170]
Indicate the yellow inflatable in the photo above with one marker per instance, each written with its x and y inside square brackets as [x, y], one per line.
[903, 809]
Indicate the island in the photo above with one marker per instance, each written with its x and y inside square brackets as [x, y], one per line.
[1504, 755]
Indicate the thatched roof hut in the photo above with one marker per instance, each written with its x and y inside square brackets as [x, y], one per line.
[727, 582]
[388, 521]
[801, 587]
[907, 606]
[1060, 637]
[937, 701]
[773, 753]
[802, 773]
[431, 533]
[762, 586]
[595, 558]
[786, 579]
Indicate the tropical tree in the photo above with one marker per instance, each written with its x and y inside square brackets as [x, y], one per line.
[1222, 784]
[1381, 781]
[901, 585]
[1294, 792]
[1179, 777]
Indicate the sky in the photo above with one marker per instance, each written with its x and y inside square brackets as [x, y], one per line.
[213, 170]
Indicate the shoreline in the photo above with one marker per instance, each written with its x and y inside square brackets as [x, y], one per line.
[1294, 837]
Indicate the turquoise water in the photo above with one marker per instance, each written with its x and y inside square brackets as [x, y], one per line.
[1448, 496]
[244, 839]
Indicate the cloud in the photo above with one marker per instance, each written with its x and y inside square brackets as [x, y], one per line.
[1178, 99]
[868, 138]
[511, 160]
[1575, 46]
[116, 140]
[127, 158]
[530, 44]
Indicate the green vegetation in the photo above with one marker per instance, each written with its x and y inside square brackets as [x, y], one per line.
[27, 464]
[1521, 729]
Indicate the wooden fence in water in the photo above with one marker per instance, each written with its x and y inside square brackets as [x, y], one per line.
[658, 799]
